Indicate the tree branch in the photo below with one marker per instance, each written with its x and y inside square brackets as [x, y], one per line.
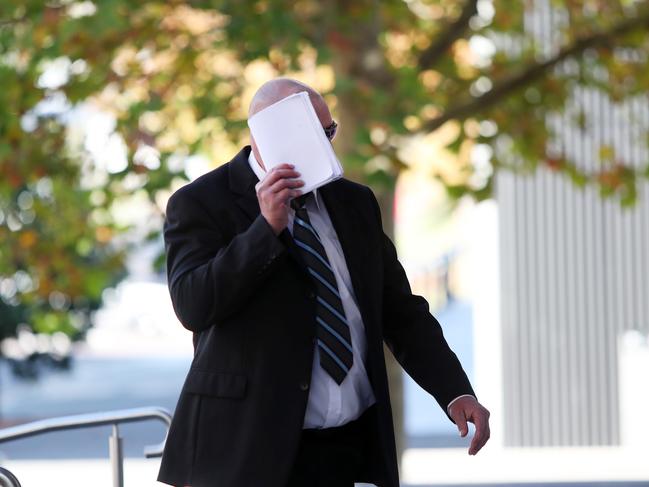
[533, 73]
[429, 56]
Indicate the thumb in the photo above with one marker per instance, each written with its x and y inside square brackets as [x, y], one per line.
[460, 421]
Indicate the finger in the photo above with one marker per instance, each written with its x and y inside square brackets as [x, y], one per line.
[486, 435]
[279, 167]
[285, 183]
[460, 421]
[475, 442]
[286, 194]
[485, 439]
[265, 192]
[282, 167]
[276, 174]
[478, 443]
[481, 433]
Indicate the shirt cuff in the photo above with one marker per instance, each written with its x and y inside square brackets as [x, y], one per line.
[448, 408]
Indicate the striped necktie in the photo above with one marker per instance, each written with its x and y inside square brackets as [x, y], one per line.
[332, 331]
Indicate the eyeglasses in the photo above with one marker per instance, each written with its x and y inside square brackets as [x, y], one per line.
[331, 130]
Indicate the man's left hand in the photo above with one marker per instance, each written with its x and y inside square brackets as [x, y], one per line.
[469, 409]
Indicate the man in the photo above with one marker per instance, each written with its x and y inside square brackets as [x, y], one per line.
[290, 298]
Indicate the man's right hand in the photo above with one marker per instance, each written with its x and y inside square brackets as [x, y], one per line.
[275, 191]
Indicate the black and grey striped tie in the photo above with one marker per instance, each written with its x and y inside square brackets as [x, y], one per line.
[334, 339]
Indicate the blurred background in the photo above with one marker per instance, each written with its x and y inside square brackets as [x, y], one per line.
[507, 141]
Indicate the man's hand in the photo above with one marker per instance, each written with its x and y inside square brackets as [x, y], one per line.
[469, 409]
[274, 192]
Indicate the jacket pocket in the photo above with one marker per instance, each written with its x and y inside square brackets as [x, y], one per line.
[217, 384]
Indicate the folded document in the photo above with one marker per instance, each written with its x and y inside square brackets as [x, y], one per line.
[289, 132]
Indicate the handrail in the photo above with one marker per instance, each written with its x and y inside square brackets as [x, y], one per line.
[87, 420]
[104, 418]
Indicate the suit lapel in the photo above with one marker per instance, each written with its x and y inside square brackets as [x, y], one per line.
[242, 183]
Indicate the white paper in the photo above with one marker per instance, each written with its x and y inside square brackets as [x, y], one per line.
[289, 132]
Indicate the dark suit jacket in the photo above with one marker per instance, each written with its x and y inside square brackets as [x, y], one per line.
[246, 297]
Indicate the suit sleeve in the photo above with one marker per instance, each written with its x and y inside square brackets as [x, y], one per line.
[414, 336]
[210, 276]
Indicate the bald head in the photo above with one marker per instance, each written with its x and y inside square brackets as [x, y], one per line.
[275, 90]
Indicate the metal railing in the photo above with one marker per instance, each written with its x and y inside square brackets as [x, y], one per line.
[105, 418]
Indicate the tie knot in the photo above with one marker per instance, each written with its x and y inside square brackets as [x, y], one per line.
[299, 202]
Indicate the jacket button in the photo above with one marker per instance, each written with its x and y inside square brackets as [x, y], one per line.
[312, 295]
[304, 386]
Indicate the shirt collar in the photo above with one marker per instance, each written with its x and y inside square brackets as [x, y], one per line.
[260, 173]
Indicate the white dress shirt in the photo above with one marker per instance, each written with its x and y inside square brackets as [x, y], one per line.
[330, 404]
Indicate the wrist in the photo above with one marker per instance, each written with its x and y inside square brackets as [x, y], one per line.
[448, 408]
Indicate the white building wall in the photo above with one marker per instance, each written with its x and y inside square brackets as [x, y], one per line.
[574, 277]
[574, 273]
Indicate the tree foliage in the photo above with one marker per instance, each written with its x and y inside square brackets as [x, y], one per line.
[176, 76]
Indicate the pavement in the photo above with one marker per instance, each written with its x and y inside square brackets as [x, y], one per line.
[587, 466]
[550, 467]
